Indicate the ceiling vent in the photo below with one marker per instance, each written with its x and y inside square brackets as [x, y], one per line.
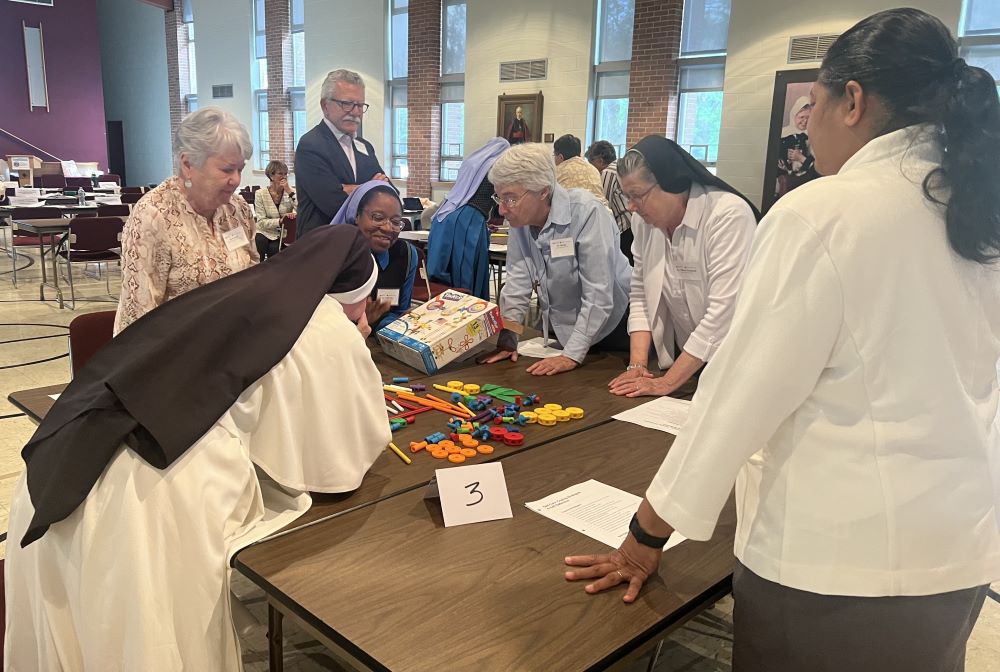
[808, 48]
[519, 71]
[222, 91]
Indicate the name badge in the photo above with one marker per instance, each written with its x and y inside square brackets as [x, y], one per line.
[235, 238]
[687, 271]
[390, 295]
[360, 147]
[562, 247]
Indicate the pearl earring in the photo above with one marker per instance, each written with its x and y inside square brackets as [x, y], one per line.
[187, 184]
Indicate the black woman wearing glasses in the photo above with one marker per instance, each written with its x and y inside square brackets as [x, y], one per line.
[331, 160]
[692, 239]
[374, 207]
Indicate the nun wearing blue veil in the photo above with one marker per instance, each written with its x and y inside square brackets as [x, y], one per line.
[375, 208]
[458, 250]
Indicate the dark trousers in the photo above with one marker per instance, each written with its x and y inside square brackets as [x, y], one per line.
[626, 242]
[780, 629]
[266, 247]
[617, 340]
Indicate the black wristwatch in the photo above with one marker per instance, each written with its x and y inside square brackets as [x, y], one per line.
[644, 537]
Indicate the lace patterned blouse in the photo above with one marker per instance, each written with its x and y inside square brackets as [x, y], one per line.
[169, 249]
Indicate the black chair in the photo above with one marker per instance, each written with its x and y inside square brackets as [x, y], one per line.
[113, 210]
[94, 241]
[21, 240]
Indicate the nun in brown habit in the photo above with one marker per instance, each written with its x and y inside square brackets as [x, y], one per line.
[197, 431]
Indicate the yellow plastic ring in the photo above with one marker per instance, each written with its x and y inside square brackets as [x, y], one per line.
[471, 389]
[552, 407]
[456, 385]
[547, 420]
[531, 416]
[574, 412]
[561, 416]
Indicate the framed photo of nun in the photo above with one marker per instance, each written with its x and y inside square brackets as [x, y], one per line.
[519, 117]
[790, 161]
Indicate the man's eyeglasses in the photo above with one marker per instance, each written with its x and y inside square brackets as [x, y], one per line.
[350, 105]
[395, 222]
[637, 199]
[509, 201]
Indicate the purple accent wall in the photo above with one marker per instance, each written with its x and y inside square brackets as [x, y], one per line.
[74, 126]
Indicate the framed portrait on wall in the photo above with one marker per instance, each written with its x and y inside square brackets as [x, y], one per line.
[790, 161]
[519, 117]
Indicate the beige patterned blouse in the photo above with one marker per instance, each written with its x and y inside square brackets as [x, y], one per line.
[169, 249]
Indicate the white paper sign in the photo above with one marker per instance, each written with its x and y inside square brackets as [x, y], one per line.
[561, 247]
[235, 238]
[473, 494]
[23, 201]
[390, 295]
[665, 414]
[27, 191]
[107, 185]
[12, 185]
[595, 509]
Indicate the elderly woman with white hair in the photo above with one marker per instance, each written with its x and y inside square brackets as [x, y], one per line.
[564, 246]
[193, 228]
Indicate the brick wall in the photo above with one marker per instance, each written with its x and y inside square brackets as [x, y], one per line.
[279, 77]
[423, 96]
[653, 82]
[177, 63]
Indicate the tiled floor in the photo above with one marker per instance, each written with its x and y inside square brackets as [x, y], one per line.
[703, 645]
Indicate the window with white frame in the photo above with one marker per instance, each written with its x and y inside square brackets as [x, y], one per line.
[398, 116]
[452, 150]
[452, 130]
[612, 59]
[189, 79]
[297, 92]
[258, 80]
[704, 40]
[980, 36]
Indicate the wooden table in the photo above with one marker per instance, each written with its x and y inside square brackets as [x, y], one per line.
[585, 387]
[389, 586]
[36, 402]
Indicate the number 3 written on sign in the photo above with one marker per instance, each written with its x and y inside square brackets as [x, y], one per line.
[472, 488]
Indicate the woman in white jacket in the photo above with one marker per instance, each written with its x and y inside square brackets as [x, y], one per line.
[692, 239]
[854, 402]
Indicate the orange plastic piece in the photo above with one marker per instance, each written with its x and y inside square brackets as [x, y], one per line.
[457, 458]
[417, 446]
[469, 442]
[485, 449]
[453, 450]
[444, 443]
[440, 453]
[469, 452]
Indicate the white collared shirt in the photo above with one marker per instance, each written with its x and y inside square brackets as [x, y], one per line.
[348, 146]
[854, 400]
[684, 288]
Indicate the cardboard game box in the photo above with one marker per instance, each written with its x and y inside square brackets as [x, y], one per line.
[441, 330]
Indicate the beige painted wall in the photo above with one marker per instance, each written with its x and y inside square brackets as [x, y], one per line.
[560, 30]
[759, 31]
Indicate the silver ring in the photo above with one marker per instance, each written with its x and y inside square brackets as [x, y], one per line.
[621, 575]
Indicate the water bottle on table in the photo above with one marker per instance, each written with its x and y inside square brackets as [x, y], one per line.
[81, 196]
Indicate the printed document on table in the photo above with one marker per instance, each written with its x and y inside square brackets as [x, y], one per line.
[535, 347]
[664, 413]
[597, 510]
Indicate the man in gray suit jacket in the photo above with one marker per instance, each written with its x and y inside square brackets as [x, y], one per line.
[330, 160]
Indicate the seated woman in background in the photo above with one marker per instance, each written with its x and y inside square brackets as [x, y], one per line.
[693, 234]
[120, 553]
[563, 245]
[374, 207]
[193, 228]
[458, 249]
[270, 206]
